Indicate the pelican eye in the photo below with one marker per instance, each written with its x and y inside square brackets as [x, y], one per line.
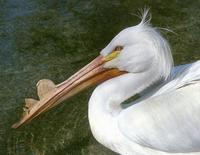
[114, 53]
[118, 48]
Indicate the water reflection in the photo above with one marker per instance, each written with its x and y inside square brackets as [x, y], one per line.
[52, 39]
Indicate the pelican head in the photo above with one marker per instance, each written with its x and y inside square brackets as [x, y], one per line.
[142, 48]
[139, 49]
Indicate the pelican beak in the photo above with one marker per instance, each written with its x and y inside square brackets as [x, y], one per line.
[51, 95]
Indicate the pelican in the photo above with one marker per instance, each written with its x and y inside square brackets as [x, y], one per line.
[164, 120]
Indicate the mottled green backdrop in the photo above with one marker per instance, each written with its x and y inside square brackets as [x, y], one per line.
[52, 39]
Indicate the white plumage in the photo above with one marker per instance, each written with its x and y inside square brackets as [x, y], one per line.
[166, 118]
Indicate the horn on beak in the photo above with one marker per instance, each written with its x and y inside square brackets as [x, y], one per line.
[51, 95]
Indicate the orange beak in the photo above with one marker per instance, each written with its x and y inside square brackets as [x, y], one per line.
[51, 95]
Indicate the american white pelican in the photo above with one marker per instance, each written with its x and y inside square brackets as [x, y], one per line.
[165, 120]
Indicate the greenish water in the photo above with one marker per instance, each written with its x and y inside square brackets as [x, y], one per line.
[52, 39]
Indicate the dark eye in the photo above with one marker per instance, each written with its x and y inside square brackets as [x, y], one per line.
[118, 48]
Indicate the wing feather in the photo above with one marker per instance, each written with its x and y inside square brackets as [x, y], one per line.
[169, 122]
[181, 76]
